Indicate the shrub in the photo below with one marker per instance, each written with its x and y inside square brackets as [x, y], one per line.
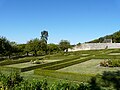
[111, 63]
[112, 77]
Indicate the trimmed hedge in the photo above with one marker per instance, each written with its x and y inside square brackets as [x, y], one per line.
[66, 64]
[111, 63]
[48, 64]
[9, 62]
[63, 75]
[9, 69]
[107, 57]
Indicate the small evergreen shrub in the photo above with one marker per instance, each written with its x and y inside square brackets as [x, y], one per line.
[110, 63]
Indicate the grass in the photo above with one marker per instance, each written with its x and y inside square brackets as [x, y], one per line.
[88, 67]
[66, 64]
[64, 75]
[72, 66]
[114, 54]
[28, 64]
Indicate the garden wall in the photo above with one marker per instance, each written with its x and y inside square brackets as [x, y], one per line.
[95, 46]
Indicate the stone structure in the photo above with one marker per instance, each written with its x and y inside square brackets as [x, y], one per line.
[107, 41]
[95, 46]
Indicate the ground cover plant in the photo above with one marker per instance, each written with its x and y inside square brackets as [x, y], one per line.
[62, 61]
[111, 63]
[28, 66]
[106, 81]
[64, 75]
[88, 67]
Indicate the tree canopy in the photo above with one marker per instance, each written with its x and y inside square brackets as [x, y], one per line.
[44, 36]
[64, 45]
[115, 38]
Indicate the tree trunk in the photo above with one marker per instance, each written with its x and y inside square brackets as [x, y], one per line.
[9, 56]
[35, 53]
[27, 53]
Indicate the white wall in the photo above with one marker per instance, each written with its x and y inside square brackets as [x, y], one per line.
[95, 46]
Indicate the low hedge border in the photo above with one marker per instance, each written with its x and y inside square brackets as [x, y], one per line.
[66, 64]
[9, 69]
[9, 62]
[48, 64]
[107, 57]
[63, 75]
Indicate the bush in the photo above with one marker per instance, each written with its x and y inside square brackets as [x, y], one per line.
[112, 77]
[9, 62]
[10, 81]
[71, 61]
[111, 63]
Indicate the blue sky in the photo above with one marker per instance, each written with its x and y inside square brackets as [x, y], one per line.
[73, 20]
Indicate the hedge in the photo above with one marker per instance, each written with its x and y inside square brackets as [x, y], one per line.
[66, 64]
[9, 69]
[48, 64]
[107, 57]
[63, 75]
[9, 62]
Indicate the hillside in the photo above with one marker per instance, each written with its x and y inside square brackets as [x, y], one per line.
[115, 38]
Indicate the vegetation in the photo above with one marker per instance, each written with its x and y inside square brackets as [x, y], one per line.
[111, 63]
[106, 81]
[64, 45]
[115, 37]
[32, 61]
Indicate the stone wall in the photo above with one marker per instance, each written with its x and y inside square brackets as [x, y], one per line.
[95, 46]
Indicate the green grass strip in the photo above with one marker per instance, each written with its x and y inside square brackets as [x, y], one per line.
[66, 64]
[9, 69]
[63, 75]
[9, 62]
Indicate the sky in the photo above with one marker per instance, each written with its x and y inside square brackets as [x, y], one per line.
[72, 20]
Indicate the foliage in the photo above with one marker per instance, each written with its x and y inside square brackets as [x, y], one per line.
[9, 62]
[93, 84]
[64, 64]
[53, 48]
[64, 45]
[115, 37]
[14, 81]
[111, 63]
[34, 45]
[44, 36]
[5, 47]
[63, 75]
[112, 77]
[37, 61]
[9, 81]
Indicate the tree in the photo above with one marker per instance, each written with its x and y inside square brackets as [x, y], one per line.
[44, 36]
[53, 48]
[5, 47]
[64, 45]
[34, 46]
[79, 44]
[93, 84]
[112, 77]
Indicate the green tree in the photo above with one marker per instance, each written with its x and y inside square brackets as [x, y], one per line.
[21, 49]
[64, 45]
[44, 36]
[5, 47]
[34, 46]
[27, 48]
[53, 48]
[112, 77]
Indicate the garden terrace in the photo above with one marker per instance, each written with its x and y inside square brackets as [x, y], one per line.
[67, 65]
[89, 67]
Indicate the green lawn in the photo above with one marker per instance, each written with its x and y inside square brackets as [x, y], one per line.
[89, 67]
[114, 54]
[28, 64]
[78, 72]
